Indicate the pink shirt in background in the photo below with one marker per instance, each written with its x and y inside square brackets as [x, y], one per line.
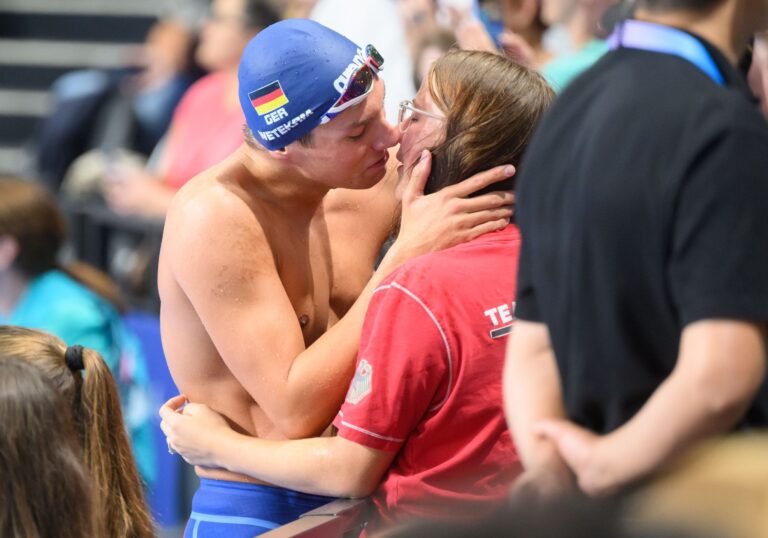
[207, 126]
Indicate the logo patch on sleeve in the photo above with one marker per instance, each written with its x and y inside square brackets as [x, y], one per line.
[361, 384]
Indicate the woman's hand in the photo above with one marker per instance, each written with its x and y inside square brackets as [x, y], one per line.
[446, 218]
[193, 430]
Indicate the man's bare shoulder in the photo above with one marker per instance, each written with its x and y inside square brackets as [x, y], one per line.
[215, 214]
[210, 191]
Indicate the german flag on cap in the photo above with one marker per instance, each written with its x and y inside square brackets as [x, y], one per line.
[268, 98]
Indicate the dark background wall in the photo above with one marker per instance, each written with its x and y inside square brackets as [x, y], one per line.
[42, 39]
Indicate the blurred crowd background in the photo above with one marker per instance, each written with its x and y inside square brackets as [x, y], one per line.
[111, 106]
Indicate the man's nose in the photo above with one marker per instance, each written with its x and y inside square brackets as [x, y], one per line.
[390, 136]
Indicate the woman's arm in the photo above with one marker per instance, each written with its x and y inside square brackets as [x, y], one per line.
[330, 466]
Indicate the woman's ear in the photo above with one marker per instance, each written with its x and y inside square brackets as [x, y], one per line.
[9, 250]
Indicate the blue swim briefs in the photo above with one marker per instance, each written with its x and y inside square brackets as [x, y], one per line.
[236, 509]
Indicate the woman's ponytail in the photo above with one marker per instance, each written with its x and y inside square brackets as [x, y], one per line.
[108, 453]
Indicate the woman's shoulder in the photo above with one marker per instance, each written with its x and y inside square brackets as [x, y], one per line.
[465, 265]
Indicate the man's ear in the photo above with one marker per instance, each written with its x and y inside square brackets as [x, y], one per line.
[9, 250]
[288, 154]
[281, 154]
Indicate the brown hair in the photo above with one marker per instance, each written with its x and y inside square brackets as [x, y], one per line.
[491, 105]
[45, 489]
[92, 396]
[28, 214]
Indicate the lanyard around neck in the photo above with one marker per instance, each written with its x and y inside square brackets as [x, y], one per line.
[657, 38]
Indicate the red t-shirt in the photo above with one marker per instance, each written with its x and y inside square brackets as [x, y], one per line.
[207, 126]
[428, 381]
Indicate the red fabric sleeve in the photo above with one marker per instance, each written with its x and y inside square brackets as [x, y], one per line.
[402, 370]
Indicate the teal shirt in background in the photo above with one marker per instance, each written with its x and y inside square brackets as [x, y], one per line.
[563, 69]
[56, 303]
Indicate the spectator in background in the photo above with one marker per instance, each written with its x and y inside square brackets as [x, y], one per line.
[297, 9]
[380, 22]
[45, 490]
[422, 425]
[523, 38]
[121, 110]
[87, 397]
[642, 297]
[419, 20]
[581, 20]
[76, 302]
[432, 47]
[158, 87]
[207, 124]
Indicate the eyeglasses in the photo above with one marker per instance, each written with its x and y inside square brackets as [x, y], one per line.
[407, 111]
[359, 85]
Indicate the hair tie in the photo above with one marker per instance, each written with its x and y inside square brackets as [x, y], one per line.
[73, 356]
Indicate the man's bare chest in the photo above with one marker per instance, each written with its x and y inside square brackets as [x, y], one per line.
[305, 269]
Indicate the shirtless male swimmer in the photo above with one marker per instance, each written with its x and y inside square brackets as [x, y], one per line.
[265, 280]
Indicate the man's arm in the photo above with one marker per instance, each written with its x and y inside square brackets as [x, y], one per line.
[331, 466]
[406, 362]
[224, 264]
[532, 392]
[720, 367]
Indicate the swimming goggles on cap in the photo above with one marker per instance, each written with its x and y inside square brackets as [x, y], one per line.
[359, 85]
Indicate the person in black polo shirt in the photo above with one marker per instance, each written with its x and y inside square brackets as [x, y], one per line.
[642, 295]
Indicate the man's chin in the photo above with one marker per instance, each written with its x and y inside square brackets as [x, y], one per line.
[366, 180]
[371, 180]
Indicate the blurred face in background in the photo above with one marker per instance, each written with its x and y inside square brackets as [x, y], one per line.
[427, 56]
[224, 36]
[520, 15]
[557, 11]
[167, 48]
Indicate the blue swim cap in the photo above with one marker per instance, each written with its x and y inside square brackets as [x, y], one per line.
[290, 75]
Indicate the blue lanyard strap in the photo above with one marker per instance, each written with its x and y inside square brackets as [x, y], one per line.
[657, 38]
